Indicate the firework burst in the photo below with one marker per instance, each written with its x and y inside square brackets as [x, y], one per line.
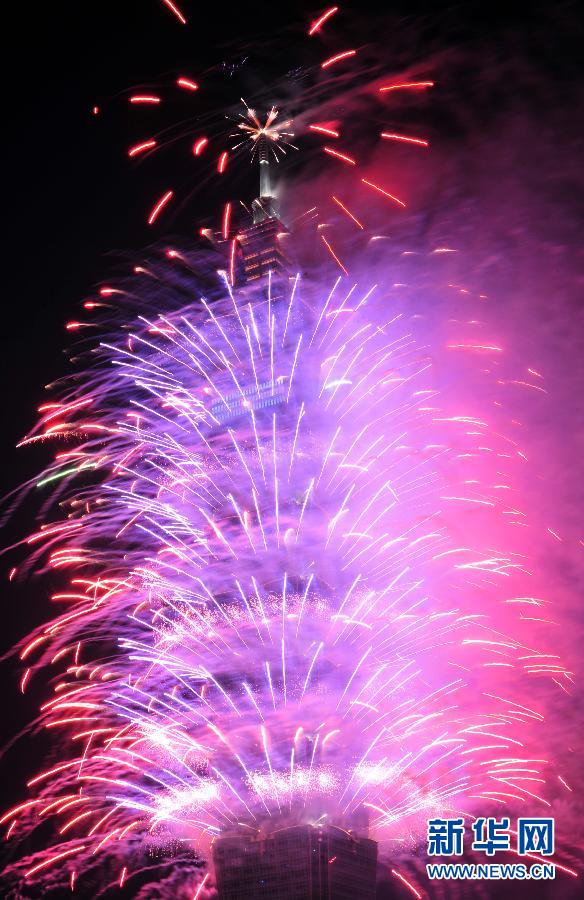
[271, 133]
[268, 614]
[277, 534]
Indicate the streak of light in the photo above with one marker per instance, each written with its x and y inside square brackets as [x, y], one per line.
[53, 859]
[408, 884]
[316, 25]
[200, 145]
[405, 85]
[226, 221]
[175, 10]
[159, 206]
[347, 212]
[381, 190]
[333, 60]
[144, 98]
[187, 83]
[322, 129]
[201, 886]
[341, 156]
[333, 254]
[404, 138]
[141, 148]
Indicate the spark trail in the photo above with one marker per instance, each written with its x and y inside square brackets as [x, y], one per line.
[268, 612]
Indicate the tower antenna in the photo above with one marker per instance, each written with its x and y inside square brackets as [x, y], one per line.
[265, 138]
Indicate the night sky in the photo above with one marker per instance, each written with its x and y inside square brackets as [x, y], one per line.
[71, 203]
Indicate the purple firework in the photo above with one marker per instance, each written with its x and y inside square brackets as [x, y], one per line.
[271, 615]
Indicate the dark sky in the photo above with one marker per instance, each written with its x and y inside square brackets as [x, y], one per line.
[69, 197]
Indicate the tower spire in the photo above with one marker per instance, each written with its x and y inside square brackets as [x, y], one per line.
[263, 206]
[264, 137]
[265, 181]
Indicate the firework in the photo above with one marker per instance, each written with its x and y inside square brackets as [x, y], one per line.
[277, 534]
[265, 133]
[265, 560]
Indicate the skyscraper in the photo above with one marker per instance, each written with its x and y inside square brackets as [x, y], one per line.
[298, 862]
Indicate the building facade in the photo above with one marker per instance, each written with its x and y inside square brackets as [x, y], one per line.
[300, 862]
[260, 248]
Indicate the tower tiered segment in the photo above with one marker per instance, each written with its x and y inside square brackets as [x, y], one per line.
[299, 862]
[260, 248]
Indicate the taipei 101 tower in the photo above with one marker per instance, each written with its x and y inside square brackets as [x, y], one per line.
[300, 856]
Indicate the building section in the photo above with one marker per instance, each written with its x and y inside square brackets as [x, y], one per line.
[260, 248]
[299, 862]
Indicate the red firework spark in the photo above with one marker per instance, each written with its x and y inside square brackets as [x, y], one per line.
[200, 145]
[141, 148]
[158, 207]
[322, 129]
[333, 254]
[341, 156]
[187, 83]
[381, 190]
[144, 98]
[335, 59]
[174, 9]
[316, 25]
[226, 221]
[405, 85]
[346, 211]
[403, 138]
